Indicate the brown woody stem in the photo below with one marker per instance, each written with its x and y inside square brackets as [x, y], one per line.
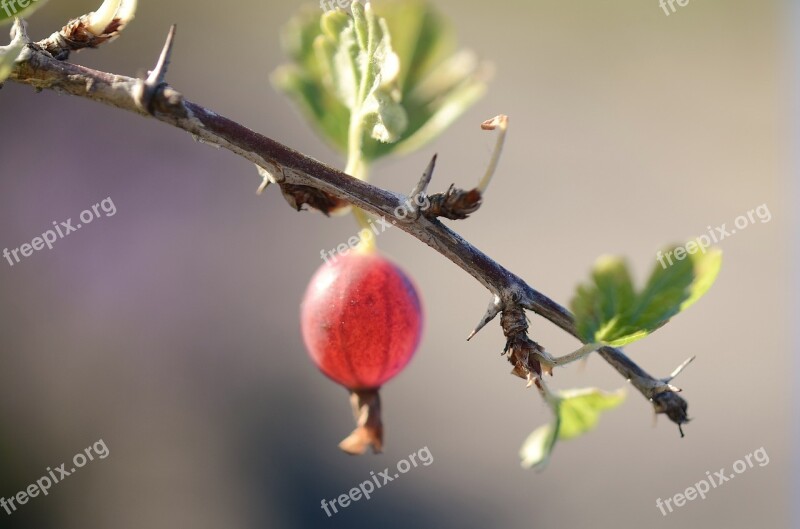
[289, 167]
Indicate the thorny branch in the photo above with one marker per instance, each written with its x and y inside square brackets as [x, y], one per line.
[309, 181]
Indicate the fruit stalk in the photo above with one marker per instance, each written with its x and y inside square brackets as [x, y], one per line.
[366, 405]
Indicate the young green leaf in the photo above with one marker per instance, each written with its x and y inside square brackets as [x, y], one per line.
[438, 83]
[608, 310]
[536, 450]
[576, 413]
[302, 79]
[580, 410]
[386, 78]
[354, 62]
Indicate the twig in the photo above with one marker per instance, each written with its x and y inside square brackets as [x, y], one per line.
[288, 167]
[458, 204]
[90, 30]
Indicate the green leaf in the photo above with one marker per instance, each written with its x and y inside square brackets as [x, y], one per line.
[379, 96]
[302, 79]
[392, 70]
[609, 311]
[536, 449]
[580, 410]
[576, 413]
[352, 60]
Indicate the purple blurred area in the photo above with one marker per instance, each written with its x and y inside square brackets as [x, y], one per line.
[170, 330]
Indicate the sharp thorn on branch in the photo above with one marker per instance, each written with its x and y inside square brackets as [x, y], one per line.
[491, 312]
[679, 369]
[159, 74]
[267, 178]
[147, 90]
[421, 188]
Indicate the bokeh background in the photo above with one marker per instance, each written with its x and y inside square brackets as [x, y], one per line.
[171, 331]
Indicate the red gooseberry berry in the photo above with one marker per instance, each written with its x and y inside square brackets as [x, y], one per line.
[361, 320]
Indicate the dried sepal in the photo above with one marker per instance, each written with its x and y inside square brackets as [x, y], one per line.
[369, 427]
[455, 204]
[670, 404]
[299, 195]
[523, 353]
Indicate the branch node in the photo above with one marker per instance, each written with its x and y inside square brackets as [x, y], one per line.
[652, 388]
[673, 406]
[90, 30]
[524, 354]
[455, 204]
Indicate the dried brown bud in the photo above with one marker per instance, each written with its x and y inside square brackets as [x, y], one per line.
[455, 204]
[523, 353]
[90, 30]
[298, 195]
[673, 406]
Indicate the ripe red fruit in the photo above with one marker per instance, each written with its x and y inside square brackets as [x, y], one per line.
[361, 320]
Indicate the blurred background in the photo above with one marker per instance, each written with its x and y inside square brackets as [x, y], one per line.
[170, 330]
